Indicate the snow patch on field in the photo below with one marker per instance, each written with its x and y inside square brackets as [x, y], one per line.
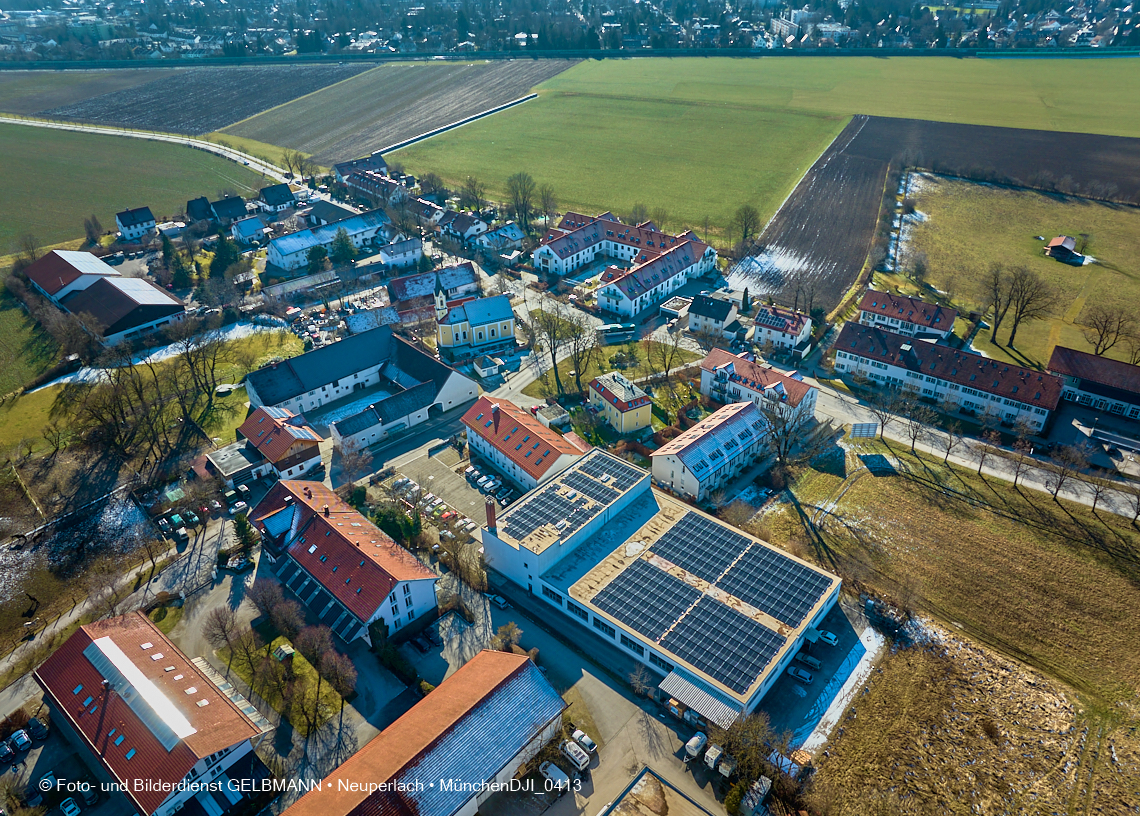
[770, 270]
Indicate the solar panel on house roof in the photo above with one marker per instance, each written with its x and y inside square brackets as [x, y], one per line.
[622, 476]
[775, 584]
[701, 546]
[601, 493]
[646, 599]
[723, 643]
[547, 507]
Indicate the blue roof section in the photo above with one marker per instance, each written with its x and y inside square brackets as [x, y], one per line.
[488, 310]
[304, 240]
[278, 523]
[484, 741]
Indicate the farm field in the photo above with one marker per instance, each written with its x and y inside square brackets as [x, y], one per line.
[1001, 225]
[69, 176]
[26, 92]
[392, 103]
[201, 100]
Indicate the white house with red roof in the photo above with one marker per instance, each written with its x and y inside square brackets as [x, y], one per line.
[517, 444]
[906, 315]
[656, 262]
[344, 568]
[783, 328]
[285, 440]
[728, 377]
[713, 452]
[165, 729]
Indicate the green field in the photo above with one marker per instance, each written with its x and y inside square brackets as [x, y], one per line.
[972, 226]
[26, 351]
[699, 137]
[56, 178]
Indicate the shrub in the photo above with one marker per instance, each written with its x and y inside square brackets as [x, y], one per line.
[426, 688]
[393, 661]
[734, 797]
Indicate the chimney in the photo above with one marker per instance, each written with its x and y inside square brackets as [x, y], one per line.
[495, 415]
[491, 525]
[326, 511]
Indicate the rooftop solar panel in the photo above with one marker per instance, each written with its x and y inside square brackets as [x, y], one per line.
[621, 475]
[724, 644]
[775, 584]
[701, 546]
[601, 493]
[646, 599]
[547, 507]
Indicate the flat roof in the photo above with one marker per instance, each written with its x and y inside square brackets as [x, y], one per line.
[724, 605]
[235, 457]
[650, 795]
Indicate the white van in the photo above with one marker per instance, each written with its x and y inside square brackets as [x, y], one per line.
[554, 775]
[576, 754]
[808, 660]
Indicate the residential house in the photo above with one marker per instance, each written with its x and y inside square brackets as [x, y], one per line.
[275, 198]
[134, 224]
[427, 213]
[553, 416]
[325, 212]
[783, 328]
[519, 446]
[248, 230]
[198, 209]
[402, 254]
[374, 162]
[124, 308]
[159, 726]
[372, 359]
[977, 385]
[728, 377]
[1097, 381]
[347, 571]
[474, 732]
[228, 210]
[481, 326]
[61, 272]
[291, 252]
[713, 452]
[621, 403]
[659, 263]
[505, 238]
[461, 227]
[906, 315]
[714, 317]
[286, 441]
[381, 190]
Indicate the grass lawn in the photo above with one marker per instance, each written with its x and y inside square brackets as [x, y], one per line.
[166, 617]
[544, 386]
[26, 350]
[69, 176]
[972, 226]
[1050, 584]
[267, 152]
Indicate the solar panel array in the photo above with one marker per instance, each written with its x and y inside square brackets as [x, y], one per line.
[601, 493]
[646, 599]
[774, 583]
[547, 507]
[723, 643]
[701, 546]
[623, 475]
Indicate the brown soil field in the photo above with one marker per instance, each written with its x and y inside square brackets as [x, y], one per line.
[824, 230]
[201, 100]
[392, 103]
[26, 92]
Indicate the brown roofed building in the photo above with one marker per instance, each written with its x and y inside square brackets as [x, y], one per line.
[141, 711]
[906, 315]
[516, 443]
[125, 308]
[61, 272]
[1098, 382]
[978, 385]
[285, 440]
[728, 377]
[449, 752]
[344, 568]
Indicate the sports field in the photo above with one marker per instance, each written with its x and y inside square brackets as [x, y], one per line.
[702, 136]
[58, 178]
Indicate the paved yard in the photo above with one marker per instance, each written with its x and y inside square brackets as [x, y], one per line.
[431, 474]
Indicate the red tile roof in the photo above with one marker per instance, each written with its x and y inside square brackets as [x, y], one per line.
[1013, 382]
[57, 269]
[1083, 365]
[109, 725]
[753, 375]
[361, 562]
[912, 310]
[517, 435]
[399, 745]
[780, 319]
[274, 435]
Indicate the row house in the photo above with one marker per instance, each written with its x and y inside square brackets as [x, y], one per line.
[713, 452]
[728, 377]
[906, 315]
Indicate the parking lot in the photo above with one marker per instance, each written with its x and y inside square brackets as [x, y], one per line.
[433, 475]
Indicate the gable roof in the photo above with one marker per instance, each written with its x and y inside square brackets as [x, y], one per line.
[1101, 370]
[462, 223]
[352, 558]
[328, 212]
[650, 270]
[276, 194]
[475, 722]
[229, 208]
[375, 161]
[134, 218]
[272, 431]
[782, 320]
[304, 240]
[149, 722]
[912, 310]
[389, 409]
[710, 307]
[942, 362]
[289, 378]
[198, 209]
[517, 435]
[736, 425]
[424, 284]
[481, 311]
[120, 304]
[753, 375]
[247, 227]
[61, 267]
[616, 390]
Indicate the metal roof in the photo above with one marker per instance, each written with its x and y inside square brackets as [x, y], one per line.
[482, 311]
[698, 699]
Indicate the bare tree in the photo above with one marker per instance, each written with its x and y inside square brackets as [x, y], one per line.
[341, 674]
[431, 183]
[1099, 486]
[1022, 461]
[996, 293]
[264, 595]
[738, 513]
[1105, 326]
[1066, 465]
[918, 419]
[1131, 492]
[1031, 298]
[313, 642]
[547, 203]
[746, 220]
[287, 618]
[551, 326]
[1133, 344]
[666, 353]
[638, 214]
[220, 627]
[747, 740]
[660, 218]
[355, 459]
[884, 406]
[473, 193]
[985, 448]
[582, 349]
[951, 440]
[787, 439]
[639, 680]
[521, 191]
[247, 646]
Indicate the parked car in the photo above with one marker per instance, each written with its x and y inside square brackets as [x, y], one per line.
[21, 741]
[450, 536]
[216, 506]
[577, 756]
[164, 525]
[177, 521]
[507, 499]
[583, 739]
[418, 646]
[473, 474]
[828, 638]
[68, 807]
[491, 486]
[6, 752]
[802, 675]
[502, 492]
[554, 775]
[467, 473]
[427, 499]
[240, 507]
[37, 729]
[432, 635]
[484, 480]
[500, 601]
[449, 515]
[192, 518]
[399, 483]
[439, 510]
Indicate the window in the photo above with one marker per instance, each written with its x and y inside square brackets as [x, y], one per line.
[407, 589]
[604, 627]
[411, 614]
[408, 603]
[578, 611]
[552, 595]
[633, 646]
[659, 663]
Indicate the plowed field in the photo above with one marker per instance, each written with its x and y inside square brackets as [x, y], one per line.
[393, 103]
[30, 91]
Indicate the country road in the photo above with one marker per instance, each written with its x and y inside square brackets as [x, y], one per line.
[252, 162]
